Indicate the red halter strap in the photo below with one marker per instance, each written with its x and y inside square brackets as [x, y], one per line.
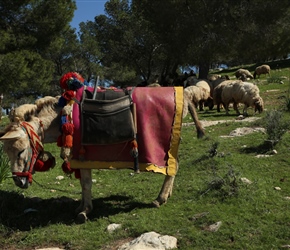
[36, 149]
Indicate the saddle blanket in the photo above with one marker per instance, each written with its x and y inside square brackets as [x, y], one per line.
[159, 122]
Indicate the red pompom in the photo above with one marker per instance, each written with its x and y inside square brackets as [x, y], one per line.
[67, 128]
[66, 167]
[67, 141]
[68, 95]
[69, 76]
[42, 166]
[64, 79]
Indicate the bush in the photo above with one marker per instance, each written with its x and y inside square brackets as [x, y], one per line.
[275, 126]
[4, 165]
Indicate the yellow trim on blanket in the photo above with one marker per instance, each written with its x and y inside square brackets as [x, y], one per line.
[170, 170]
[176, 134]
[75, 164]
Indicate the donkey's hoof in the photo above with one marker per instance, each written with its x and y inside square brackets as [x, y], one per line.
[81, 218]
[158, 203]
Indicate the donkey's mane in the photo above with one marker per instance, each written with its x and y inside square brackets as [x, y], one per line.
[25, 112]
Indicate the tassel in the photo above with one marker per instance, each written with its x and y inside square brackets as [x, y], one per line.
[68, 128]
[134, 150]
[67, 141]
[42, 166]
[66, 167]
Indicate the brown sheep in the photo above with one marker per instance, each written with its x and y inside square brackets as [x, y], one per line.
[243, 74]
[263, 69]
[242, 92]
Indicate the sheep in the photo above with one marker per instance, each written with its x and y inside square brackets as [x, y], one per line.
[213, 77]
[218, 89]
[243, 74]
[196, 95]
[242, 92]
[205, 85]
[190, 81]
[263, 69]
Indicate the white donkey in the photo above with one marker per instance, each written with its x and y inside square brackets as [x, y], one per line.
[35, 124]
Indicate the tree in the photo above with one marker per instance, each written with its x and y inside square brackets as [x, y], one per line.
[158, 37]
[28, 29]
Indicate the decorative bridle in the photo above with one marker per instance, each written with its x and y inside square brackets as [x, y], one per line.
[36, 147]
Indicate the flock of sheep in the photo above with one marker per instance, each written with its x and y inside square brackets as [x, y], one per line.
[223, 91]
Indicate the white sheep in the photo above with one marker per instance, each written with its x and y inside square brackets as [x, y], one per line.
[196, 95]
[243, 74]
[207, 86]
[263, 69]
[218, 89]
[242, 92]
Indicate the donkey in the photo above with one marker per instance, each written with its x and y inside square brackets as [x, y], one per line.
[34, 125]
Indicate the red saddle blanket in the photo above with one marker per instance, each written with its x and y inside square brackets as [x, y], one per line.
[159, 121]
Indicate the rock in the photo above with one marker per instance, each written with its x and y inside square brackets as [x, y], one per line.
[245, 180]
[112, 227]
[151, 241]
[214, 227]
[60, 177]
[262, 156]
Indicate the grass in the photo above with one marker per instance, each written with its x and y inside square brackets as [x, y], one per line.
[253, 216]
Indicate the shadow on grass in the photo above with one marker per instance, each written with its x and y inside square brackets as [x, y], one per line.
[222, 114]
[259, 149]
[22, 213]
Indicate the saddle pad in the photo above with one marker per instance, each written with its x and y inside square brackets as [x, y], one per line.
[106, 122]
[159, 121]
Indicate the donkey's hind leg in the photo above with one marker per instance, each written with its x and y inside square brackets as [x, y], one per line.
[166, 190]
[86, 205]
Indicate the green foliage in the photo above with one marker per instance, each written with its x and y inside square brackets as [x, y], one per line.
[275, 126]
[286, 101]
[28, 29]
[4, 165]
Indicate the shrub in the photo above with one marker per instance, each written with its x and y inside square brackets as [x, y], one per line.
[4, 165]
[275, 126]
[286, 101]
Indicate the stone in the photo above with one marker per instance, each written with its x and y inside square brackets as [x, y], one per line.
[151, 241]
[112, 227]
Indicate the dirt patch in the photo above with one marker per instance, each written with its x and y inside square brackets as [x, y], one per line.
[236, 132]
[212, 123]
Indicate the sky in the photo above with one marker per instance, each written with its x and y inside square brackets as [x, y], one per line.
[87, 10]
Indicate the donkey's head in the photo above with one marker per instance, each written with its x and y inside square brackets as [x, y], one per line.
[21, 152]
[23, 140]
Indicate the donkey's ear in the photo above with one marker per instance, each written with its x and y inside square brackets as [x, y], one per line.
[11, 135]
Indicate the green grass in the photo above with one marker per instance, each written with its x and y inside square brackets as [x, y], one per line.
[254, 216]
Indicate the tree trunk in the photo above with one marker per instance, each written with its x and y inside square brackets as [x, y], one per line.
[203, 70]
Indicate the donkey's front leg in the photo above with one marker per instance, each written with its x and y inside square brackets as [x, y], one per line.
[86, 205]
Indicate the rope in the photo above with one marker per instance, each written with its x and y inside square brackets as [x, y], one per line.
[57, 189]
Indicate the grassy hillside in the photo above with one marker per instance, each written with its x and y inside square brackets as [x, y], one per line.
[208, 189]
